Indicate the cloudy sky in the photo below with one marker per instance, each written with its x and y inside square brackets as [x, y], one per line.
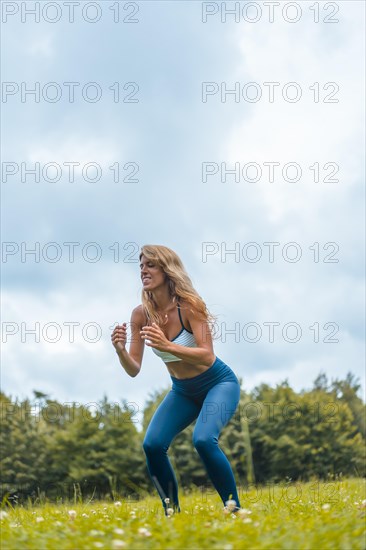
[235, 139]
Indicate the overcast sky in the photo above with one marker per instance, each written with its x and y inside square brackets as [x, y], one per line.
[159, 104]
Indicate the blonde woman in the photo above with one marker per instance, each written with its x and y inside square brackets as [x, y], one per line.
[173, 320]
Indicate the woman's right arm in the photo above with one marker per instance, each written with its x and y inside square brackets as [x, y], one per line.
[131, 360]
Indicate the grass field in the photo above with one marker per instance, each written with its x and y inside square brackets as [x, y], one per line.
[312, 515]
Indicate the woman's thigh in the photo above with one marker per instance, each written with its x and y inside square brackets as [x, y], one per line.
[217, 409]
[173, 415]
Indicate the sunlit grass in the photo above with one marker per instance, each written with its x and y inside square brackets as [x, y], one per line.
[311, 515]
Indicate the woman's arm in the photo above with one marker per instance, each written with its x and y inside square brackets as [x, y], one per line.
[131, 361]
[203, 354]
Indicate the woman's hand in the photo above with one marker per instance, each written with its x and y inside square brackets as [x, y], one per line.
[156, 337]
[119, 337]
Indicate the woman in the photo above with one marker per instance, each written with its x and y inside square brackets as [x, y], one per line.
[173, 320]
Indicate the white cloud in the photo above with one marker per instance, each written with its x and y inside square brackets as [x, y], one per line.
[76, 147]
[41, 46]
[304, 132]
[169, 207]
[335, 363]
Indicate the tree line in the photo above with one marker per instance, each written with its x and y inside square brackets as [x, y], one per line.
[61, 451]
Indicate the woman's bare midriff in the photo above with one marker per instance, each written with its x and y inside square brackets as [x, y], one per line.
[182, 370]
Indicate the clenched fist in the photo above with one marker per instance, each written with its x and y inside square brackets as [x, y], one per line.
[119, 337]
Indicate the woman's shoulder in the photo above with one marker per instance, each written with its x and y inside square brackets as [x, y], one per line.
[139, 315]
[187, 306]
[183, 303]
[188, 311]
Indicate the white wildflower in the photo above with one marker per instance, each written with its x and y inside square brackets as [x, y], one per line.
[326, 506]
[247, 520]
[84, 515]
[118, 503]
[98, 544]
[72, 514]
[119, 531]
[39, 519]
[95, 533]
[170, 511]
[3, 514]
[118, 543]
[244, 512]
[144, 532]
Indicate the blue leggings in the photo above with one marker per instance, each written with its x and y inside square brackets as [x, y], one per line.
[212, 397]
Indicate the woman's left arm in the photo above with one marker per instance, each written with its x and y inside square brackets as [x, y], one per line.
[203, 354]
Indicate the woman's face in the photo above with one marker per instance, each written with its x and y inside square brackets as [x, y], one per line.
[152, 276]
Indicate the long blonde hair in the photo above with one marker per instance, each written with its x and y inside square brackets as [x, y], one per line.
[179, 284]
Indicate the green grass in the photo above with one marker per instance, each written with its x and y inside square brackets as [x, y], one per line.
[312, 515]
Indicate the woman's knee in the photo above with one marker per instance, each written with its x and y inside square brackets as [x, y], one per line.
[204, 442]
[153, 445]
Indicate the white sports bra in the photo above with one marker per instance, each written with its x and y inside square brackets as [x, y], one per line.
[184, 338]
